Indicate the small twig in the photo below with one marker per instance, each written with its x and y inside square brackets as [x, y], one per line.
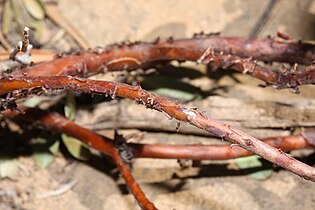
[63, 189]
[52, 11]
[22, 46]
[16, 60]
[263, 19]
[175, 110]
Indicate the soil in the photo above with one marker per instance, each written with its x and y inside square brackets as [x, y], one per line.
[235, 99]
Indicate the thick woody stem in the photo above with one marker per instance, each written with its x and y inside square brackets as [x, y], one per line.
[229, 53]
[174, 110]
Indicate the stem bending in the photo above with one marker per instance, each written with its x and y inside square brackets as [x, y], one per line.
[161, 104]
[228, 53]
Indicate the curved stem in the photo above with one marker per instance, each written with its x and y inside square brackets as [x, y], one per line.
[55, 121]
[161, 104]
[227, 53]
[132, 184]
[212, 152]
[58, 122]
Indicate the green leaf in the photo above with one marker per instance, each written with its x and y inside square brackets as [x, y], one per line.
[75, 147]
[33, 101]
[252, 162]
[43, 159]
[35, 8]
[20, 15]
[261, 175]
[8, 167]
[55, 147]
[38, 27]
[70, 107]
[173, 93]
[6, 18]
[44, 150]
[171, 87]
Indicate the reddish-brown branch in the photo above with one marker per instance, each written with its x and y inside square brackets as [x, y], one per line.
[38, 56]
[106, 147]
[195, 152]
[57, 122]
[212, 152]
[175, 110]
[143, 201]
[131, 56]
[283, 78]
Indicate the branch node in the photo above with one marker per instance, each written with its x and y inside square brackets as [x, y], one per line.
[191, 114]
[98, 50]
[207, 52]
[123, 148]
[170, 40]
[112, 93]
